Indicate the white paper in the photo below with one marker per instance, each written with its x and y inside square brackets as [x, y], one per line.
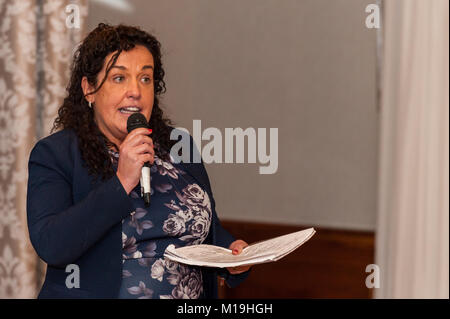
[257, 253]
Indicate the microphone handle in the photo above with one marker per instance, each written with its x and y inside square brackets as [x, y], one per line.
[145, 183]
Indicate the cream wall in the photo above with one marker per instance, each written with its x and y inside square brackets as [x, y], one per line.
[306, 67]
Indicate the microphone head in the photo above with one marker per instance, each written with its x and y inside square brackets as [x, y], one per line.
[136, 120]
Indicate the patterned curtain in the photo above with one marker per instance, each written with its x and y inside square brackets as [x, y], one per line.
[38, 38]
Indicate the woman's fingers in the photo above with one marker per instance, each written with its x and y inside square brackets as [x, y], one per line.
[238, 269]
[140, 139]
[237, 246]
[137, 143]
[144, 149]
[135, 150]
[137, 137]
[138, 131]
[144, 158]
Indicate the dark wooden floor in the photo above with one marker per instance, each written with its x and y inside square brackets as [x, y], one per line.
[330, 265]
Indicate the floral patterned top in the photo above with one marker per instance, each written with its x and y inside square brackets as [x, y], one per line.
[179, 214]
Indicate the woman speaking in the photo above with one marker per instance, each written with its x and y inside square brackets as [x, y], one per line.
[84, 203]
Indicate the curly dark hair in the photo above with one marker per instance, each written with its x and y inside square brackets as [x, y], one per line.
[75, 112]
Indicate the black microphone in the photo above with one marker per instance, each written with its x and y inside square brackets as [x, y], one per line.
[137, 120]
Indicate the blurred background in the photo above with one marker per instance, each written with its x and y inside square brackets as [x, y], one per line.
[358, 90]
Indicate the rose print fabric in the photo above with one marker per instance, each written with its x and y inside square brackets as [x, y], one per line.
[179, 214]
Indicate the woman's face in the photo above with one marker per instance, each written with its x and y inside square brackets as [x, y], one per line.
[127, 89]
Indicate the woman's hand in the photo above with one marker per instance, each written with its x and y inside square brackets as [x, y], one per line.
[135, 150]
[236, 248]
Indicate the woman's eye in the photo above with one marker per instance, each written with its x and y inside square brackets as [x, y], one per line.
[146, 79]
[118, 78]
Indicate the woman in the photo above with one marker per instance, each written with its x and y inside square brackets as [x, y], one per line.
[84, 205]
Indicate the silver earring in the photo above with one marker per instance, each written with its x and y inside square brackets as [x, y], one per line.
[90, 104]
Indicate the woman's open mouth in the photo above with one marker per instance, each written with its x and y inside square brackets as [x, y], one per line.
[130, 109]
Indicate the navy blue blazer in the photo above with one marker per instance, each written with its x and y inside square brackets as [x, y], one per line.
[75, 219]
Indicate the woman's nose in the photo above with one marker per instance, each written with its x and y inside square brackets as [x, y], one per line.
[133, 89]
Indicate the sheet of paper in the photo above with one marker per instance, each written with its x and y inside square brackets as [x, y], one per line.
[260, 252]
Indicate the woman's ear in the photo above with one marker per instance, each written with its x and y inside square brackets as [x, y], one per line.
[86, 87]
